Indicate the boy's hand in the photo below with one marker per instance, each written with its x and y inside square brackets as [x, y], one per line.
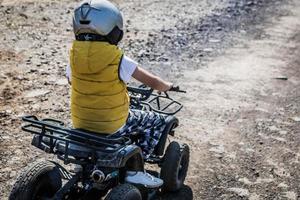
[151, 80]
[167, 86]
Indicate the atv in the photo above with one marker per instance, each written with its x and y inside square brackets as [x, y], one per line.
[97, 163]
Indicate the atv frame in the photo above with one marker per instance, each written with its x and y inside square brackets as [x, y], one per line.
[101, 160]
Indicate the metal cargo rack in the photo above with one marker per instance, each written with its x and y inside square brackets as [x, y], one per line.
[50, 132]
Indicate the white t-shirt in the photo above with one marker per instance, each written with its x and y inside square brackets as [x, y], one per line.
[127, 68]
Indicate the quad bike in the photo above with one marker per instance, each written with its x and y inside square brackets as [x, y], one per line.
[99, 162]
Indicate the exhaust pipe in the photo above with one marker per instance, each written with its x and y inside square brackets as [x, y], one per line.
[98, 176]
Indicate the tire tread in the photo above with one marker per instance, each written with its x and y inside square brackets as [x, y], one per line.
[27, 177]
[120, 191]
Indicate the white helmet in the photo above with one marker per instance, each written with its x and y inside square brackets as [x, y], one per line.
[98, 19]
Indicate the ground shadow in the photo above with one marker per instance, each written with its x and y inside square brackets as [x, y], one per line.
[185, 193]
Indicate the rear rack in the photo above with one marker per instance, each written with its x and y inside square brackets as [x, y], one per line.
[54, 131]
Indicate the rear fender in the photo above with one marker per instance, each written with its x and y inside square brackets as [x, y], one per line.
[171, 123]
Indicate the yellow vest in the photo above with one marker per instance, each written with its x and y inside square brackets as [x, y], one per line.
[99, 99]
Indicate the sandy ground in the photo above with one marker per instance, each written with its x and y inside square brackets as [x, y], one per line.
[238, 60]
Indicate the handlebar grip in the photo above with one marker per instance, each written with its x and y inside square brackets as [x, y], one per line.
[177, 89]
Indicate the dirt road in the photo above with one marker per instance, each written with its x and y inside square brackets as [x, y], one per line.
[238, 60]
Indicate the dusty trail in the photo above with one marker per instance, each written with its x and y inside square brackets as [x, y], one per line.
[241, 122]
[248, 144]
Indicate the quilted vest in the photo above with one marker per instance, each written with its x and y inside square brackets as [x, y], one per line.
[99, 99]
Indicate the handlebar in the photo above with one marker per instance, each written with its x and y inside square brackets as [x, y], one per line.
[177, 89]
[144, 90]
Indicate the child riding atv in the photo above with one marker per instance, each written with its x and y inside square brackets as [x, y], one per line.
[99, 72]
[116, 128]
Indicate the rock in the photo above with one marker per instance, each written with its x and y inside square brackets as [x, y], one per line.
[250, 3]
[290, 195]
[36, 93]
[274, 128]
[218, 149]
[23, 15]
[254, 197]
[261, 110]
[282, 185]
[45, 18]
[208, 50]
[214, 41]
[249, 150]
[280, 139]
[13, 174]
[296, 119]
[239, 191]
[281, 172]
[231, 155]
[264, 180]
[246, 181]
[282, 132]
[62, 81]
[6, 169]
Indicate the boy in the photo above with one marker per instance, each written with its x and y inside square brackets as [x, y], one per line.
[99, 73]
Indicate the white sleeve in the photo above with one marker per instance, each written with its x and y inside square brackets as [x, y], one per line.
[68, 72]
[127, 68]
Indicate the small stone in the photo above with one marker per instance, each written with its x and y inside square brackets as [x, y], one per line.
[208, 50]
[62, 81]
[214, 41]
[46, 19]
[36, 93]
[264, 180]
[282, 185]
[12, 174]
[245, 180]
[281, 172]
[282, 132]
[219, 149]
[280, 139]
[296, 119]
[250, 3]
[254, 197]
[291, 195]
[274, 128]
[6, 169]
[23, 15]
[239, 191]
[249, 150]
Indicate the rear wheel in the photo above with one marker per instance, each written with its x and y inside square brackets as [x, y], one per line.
[124, 192]
[175, 166]
[40, 181]
[143, 190]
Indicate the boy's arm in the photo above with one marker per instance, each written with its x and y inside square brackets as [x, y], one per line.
[151, 80]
